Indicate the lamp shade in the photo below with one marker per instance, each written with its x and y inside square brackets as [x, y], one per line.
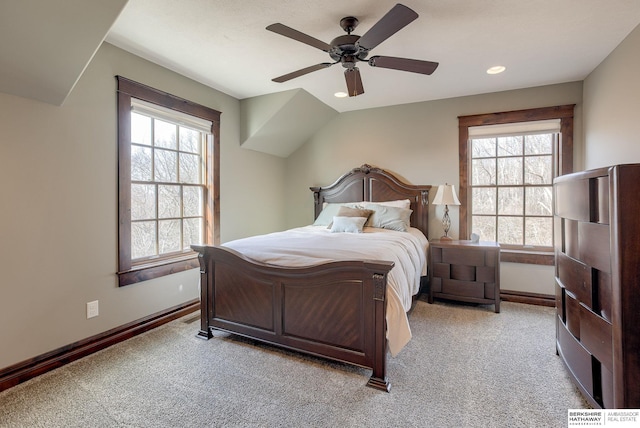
[446, 195]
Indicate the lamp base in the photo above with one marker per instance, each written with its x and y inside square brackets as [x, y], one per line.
[446, 238]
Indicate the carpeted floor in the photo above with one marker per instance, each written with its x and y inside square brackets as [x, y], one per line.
[465, 367]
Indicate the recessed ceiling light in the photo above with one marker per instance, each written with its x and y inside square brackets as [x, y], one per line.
[496, 69]
[340, 94]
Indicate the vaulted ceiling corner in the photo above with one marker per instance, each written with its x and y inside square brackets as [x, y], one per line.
[280, 123]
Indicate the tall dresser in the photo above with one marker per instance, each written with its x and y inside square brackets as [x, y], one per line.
[597, 227]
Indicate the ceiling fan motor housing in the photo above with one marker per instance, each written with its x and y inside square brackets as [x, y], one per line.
[345, 49]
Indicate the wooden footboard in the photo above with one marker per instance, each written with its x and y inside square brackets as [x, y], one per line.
[335, 310]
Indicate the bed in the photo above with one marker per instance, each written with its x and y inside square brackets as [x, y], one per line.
[336, 309]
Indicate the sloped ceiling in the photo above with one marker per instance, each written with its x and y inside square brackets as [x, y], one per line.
[46, 45]
[280, 123]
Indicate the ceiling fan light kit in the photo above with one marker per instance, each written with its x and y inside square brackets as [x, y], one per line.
[350, 49]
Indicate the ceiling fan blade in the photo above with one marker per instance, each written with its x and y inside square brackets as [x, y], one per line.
[354, 81]
[302, 72]
[403, 64]
[397, 18]
[300, 37]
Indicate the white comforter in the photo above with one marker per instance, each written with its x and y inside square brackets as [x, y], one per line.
[406, 249]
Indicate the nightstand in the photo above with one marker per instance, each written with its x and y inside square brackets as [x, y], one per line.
[465, 271]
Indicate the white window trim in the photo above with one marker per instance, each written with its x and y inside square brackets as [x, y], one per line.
[518, 128]
[174, 116]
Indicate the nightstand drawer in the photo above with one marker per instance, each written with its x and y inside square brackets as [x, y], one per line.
[486, 274]
[463, 288]
[463, 273]
[441, 270]
[459, 256]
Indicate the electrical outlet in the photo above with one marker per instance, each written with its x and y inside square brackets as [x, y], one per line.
[92, 309]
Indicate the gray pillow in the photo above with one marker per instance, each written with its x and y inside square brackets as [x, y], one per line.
[388, 217]
[348, 224]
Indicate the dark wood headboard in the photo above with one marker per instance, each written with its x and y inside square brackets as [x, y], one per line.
[367, 183]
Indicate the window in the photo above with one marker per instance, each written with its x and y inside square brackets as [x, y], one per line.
[168, 162]
[507, 165]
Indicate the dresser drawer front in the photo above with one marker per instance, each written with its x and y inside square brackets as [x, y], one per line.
[593, 242]
[576, 357]
[575, 276]
[607, 388]
[572, 199]
[572, 313]
[596, 336]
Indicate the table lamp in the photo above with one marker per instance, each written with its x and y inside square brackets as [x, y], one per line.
[446, 195]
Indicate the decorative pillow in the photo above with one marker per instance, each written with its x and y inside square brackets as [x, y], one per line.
[330, 210]
[348, 224]
[388, 217]
[346, 211]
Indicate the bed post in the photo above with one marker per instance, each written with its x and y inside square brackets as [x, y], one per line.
[205, 330]
[378, 379]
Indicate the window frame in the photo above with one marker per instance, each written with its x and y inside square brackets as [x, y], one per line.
[130, 272]
[563, 164]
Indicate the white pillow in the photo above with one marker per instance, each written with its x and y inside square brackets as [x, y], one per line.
[388, 217]
[402, 203]
[348, 224]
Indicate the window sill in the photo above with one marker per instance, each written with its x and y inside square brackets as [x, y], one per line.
[157, 269]
[528, 257]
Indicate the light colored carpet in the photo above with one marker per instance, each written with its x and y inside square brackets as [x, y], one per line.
[465, 367]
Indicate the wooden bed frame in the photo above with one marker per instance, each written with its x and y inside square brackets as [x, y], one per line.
[334, 310]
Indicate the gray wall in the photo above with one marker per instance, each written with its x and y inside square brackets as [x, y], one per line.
[418, 142]
[612, 107]
[58, 216]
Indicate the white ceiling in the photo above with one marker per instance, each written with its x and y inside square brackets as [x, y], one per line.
[45, 46]
[224, 44]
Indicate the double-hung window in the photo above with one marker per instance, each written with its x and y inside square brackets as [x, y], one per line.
[509, 161]
[168, 169]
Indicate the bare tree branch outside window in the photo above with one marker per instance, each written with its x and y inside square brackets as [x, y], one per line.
[511, 189]
[167, 187]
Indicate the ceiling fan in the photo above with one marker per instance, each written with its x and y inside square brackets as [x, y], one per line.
[349, 49]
